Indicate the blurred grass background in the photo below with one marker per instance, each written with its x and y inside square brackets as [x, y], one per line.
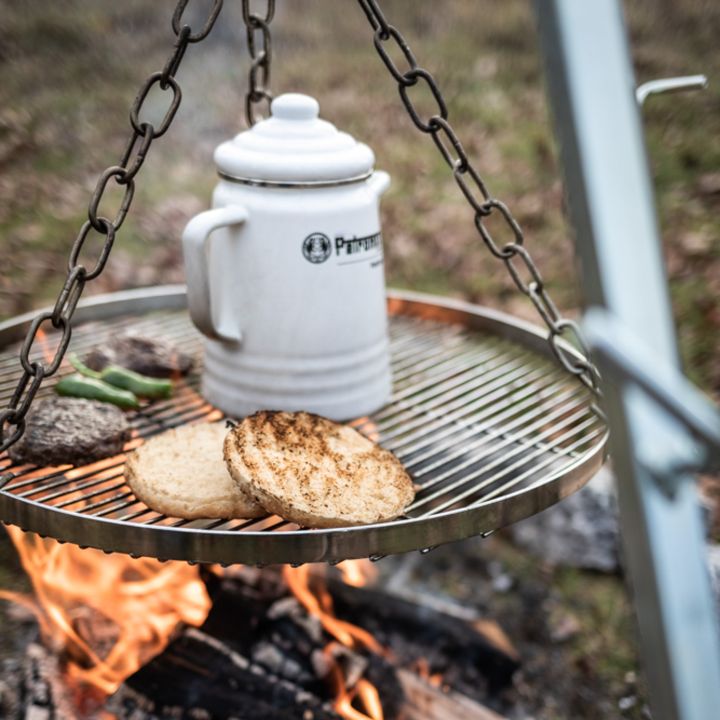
[69, 71]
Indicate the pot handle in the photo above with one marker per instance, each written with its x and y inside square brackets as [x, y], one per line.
[196, 249]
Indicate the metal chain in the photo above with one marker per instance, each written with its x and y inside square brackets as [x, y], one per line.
[513, 254]
[12, 418]
[261, 58]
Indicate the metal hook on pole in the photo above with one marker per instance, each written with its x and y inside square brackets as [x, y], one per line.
[668, 85]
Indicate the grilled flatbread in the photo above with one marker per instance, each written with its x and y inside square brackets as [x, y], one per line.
[315, 472]
[181, 473]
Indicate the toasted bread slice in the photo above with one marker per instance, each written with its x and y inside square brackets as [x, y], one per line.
[181, 473]
[315, 472]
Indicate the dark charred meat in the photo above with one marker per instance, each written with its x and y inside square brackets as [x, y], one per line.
[148, 356]
[62, 431]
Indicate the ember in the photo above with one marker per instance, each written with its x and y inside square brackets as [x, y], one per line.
[422, 668]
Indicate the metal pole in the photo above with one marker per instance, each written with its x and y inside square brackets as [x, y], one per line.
[592, 91]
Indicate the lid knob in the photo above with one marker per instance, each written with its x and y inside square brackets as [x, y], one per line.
[295, 106]
[293, 147]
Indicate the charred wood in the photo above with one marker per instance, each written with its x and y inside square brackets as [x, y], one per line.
[199, 676]
[469, 660]
[34, 689]
[259, 656]
[429, 703]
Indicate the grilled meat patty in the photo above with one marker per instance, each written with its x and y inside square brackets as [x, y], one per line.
[149, 356]
[63, 430]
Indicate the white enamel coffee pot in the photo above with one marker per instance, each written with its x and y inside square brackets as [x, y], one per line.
[285, 274]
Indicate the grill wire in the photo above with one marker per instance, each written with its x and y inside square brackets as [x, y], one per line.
[473, 417]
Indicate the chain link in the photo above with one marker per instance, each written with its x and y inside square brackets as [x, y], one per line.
[99, 223]
[209, 23]
[257, 26]
[518, 261]
[12, 418]
[155, 79]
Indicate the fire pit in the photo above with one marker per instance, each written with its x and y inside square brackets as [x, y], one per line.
[490, 427]
[140, 640]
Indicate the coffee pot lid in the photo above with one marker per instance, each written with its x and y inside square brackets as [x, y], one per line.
[294, 147]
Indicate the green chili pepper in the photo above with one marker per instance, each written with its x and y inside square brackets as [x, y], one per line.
[120, 377]
[77, 385]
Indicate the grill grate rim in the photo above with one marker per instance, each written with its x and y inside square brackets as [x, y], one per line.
[473, 416]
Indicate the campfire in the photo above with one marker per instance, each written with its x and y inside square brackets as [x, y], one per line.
[107, 615]
[119, 628]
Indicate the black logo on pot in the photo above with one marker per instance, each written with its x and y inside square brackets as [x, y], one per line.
[317, 248]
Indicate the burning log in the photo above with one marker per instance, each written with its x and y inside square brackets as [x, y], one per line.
[423, 702]
[469, 658]
[276, 663]
[34, 689]
[101, 616]
[290, 641]
[429, 703]
[198, 673]
[261, 653]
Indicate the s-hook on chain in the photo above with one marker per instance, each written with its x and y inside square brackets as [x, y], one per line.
[513, 254]
[142, 135]
[261, 58]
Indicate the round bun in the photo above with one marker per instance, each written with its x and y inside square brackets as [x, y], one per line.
[315, 472]
[181, 473]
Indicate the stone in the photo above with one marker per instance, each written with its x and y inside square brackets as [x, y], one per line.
[581, 531]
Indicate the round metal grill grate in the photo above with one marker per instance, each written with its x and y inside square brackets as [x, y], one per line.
[489, 426]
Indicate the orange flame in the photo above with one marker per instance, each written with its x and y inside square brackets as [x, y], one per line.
[320, 606]
[422, 668]
[364, 691]
[133, 605]
[370, 698]
[357, 572]
[318, 602]
[43, 342]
